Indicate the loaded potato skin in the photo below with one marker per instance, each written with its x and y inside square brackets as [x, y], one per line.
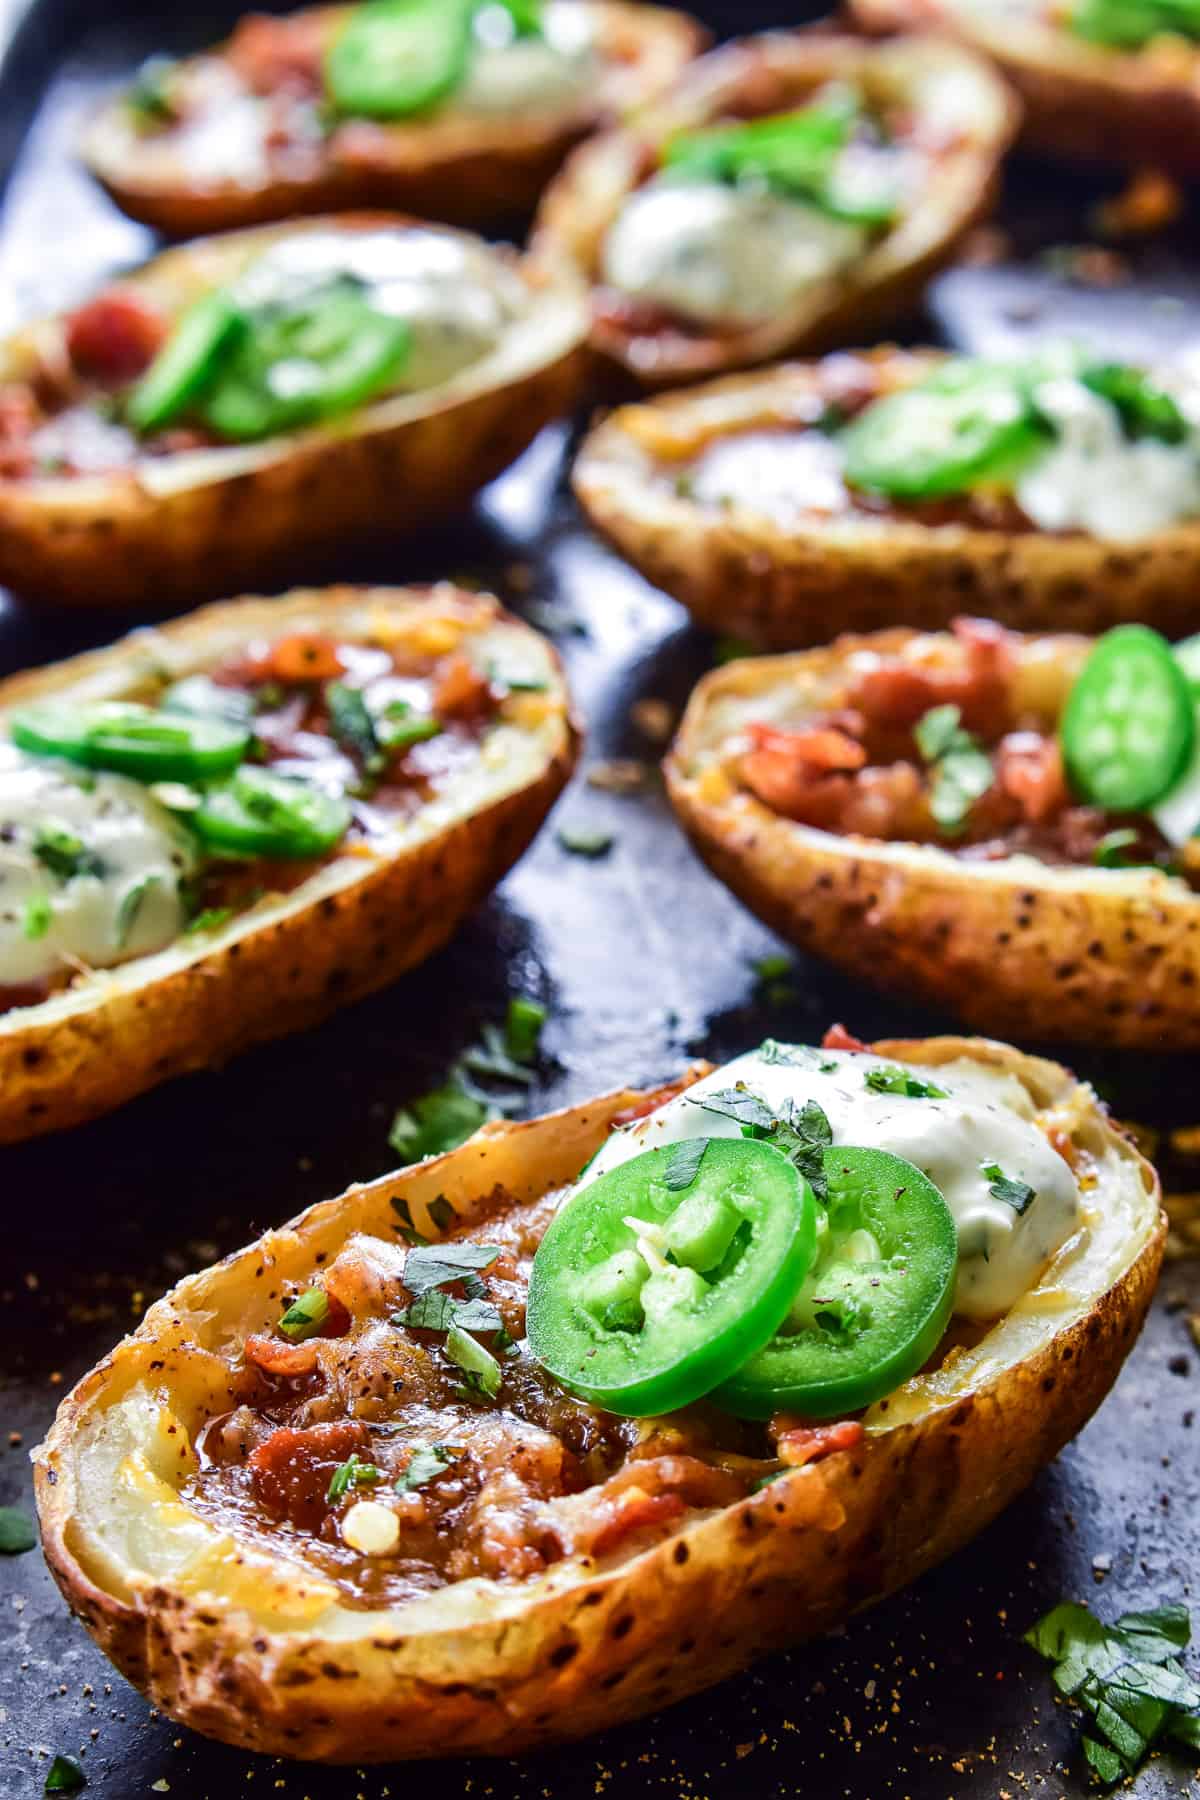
[944, 114]
[277, 946]
[261, 1653]
[113, 517]
[776, 579]
[1038, 916]
[472, 168]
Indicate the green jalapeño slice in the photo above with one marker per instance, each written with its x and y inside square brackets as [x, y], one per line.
[141, 741]
[656, 1280]
[874, 1304]
[967, 425]
[259, 813]
[397, 57]
[1130, 721]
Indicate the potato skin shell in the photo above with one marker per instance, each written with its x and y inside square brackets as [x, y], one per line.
[480, 173]
[1074, 956]
[787, 587]
[884, 285]
[292, 969]
[788, 1562]
[1081, 101]
[111, 540]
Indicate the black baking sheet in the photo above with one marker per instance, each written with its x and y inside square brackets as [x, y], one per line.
[644, 962]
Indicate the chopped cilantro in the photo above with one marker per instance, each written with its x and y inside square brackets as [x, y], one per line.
[38, 917]
[431, 1266]
[211, 919]
[64, 1776]
[64, 854]
[894, 1080]
[17, 1532]
[1110, 851]
[962, 770]
[437, 1121]
[1127, 1677]
[683, 1166]
[579, 840]
[731, 649]
[351, 1474]
[426, 1462]
[736, 1103]
[481, 1371]
[1014, 1193]
[523, 1028]
[401, 726]
[435, 1311]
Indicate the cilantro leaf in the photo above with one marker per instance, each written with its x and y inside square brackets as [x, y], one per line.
[962, 770]
[684, 1164]
[352, 727]
[64, 854]
[38, 917]
[1014, 1193]
[430, 1266]
[894, 1080]
[438, 1121]
[426, 1462]
[736, 1103]
[435, 1311]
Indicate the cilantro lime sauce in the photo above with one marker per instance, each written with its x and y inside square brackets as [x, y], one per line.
[984, 1122]
[90, 867]
[714, 253]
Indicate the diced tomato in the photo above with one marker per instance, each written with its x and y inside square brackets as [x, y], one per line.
[801, 774]
[19, 420]
[1029, 769]
[838, 1038]
[273, 55]
[819, 747]
[798, 1443]
[461, 691]
[116, 336]
[287, 1361]
[896, 694]
[304, 656]
[291, 1470]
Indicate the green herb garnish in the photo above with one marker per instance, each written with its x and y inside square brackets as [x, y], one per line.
[1127, 1677]
[1110, 851]
[894, 1080]
[38, 917]
[683, 1165]
[1014, 1193]
[401, 725]
[149, 96]
[352, 727]
[437, 1121]
[306, 1315]
[578, 840]
[425, 1464]
[436, 1311]
[130, 905]
[523, 1028]
[431, 1266]
[962, 771]
[211, 919]
[64, 854]
[351, 1474]
[481, 1371]
[17, 1532]
[64, 1776]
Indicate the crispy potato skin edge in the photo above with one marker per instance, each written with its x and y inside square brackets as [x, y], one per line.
[787, 1563]
[1002, 946]
[782, 588]
[1126, 113]
[496, 175]
[288, 974]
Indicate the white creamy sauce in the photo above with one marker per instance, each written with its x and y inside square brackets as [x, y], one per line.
[713, 253]
[778, 474]
[130, 907]
[509, 74]
[987, 1118]
[1096, 479]
[456, 297]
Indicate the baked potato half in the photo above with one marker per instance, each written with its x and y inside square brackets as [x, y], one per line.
[137, 944]
[94, 512]
[787, 553]
[1027, 912]
[232, 137]
[936, 109]
[263, 1639]
[1085, 99]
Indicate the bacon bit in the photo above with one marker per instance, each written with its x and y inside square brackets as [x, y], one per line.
[629, 1115]
[820, 747]
[797, 1443]
[460, 691]
[838, 1038]
[899, 693]
[290, 1470]
[634, 1510]
[1029, 770]
[288, 1361]
[304, 656]
[797, 773]
[117, 335]
[273, 55]
[1149, 202]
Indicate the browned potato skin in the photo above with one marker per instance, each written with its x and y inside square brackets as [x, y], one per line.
[1008, 946]
[287, 972]
[789, 1562]
[582, 203]
[471, 172]
[786, 587]
[1140, 109]
[109, 540]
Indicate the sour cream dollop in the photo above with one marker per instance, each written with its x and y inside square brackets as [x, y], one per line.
[986, 1119]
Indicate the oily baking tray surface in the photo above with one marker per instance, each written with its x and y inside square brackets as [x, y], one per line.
[643, 962]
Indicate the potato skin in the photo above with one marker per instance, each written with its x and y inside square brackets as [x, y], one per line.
[1087, 102]
[510, 1670]
[786, 587]
[581, 204]
[262, 511]
[465, 171]
[286, 964]
[1075, 955]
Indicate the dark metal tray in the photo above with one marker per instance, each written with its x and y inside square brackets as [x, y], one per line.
[644, 961]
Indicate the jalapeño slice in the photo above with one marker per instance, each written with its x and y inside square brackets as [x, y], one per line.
[140, 741]
[873, 1306]
[968, 425]
[1129, 722]
[259, 813]
[185, 362]
[397, 57]
[644, 1295]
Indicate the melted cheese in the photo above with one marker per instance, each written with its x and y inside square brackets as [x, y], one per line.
[1096, 479]
[987, 1118]
[537, 73]
[718, 254]
[778, 474]
[130, 907]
